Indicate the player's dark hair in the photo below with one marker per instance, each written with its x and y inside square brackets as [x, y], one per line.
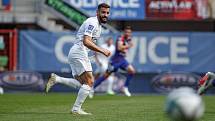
[103, 5]
[127, 27]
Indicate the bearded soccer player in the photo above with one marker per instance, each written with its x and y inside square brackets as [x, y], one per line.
[78, 58]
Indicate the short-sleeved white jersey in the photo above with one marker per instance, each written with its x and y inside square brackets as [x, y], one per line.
[90, 27]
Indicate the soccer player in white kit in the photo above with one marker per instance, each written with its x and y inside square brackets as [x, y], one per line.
[102, 64]
[78, 58]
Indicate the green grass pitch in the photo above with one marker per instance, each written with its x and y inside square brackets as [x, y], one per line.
[56, 106]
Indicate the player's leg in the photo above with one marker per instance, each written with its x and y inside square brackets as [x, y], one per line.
[107, 73]
[101, 79]
[54, 78]
[102, 69]
[130, 73]
[82, 71]
[96, 75]
[68, 81]
[110, 80]
[205, 82]
[76, 67]
[97, 71]
[87, 79]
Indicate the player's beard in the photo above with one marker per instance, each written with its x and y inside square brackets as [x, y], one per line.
[103, 21]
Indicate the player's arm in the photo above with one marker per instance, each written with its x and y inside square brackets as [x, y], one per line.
[87, 39]
[130, 43]
[91, 45]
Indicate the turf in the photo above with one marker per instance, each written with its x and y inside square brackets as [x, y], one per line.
[56, 106]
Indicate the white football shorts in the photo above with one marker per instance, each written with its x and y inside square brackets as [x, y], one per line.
[79, 62]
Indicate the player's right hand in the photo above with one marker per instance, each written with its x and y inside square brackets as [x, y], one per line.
[106, 52]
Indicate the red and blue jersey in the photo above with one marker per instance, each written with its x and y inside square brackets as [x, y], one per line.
[119, 53]
[118, 59]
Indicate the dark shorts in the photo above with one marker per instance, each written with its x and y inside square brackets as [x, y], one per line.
[117, 63]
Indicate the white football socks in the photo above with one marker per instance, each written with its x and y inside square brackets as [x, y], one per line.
[110, 83]
[82, 95]
[68, 81]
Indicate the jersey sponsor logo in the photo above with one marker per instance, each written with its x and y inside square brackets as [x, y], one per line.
[90, 27]
[166, 82]
[88, 31]
[22, 80]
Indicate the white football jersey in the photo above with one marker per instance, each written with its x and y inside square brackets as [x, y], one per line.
[90, 27]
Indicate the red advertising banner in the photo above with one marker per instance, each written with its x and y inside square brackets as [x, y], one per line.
[177, 9]
[8, 50]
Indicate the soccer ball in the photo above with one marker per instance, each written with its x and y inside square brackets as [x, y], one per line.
[183, 104]
[1, 91]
